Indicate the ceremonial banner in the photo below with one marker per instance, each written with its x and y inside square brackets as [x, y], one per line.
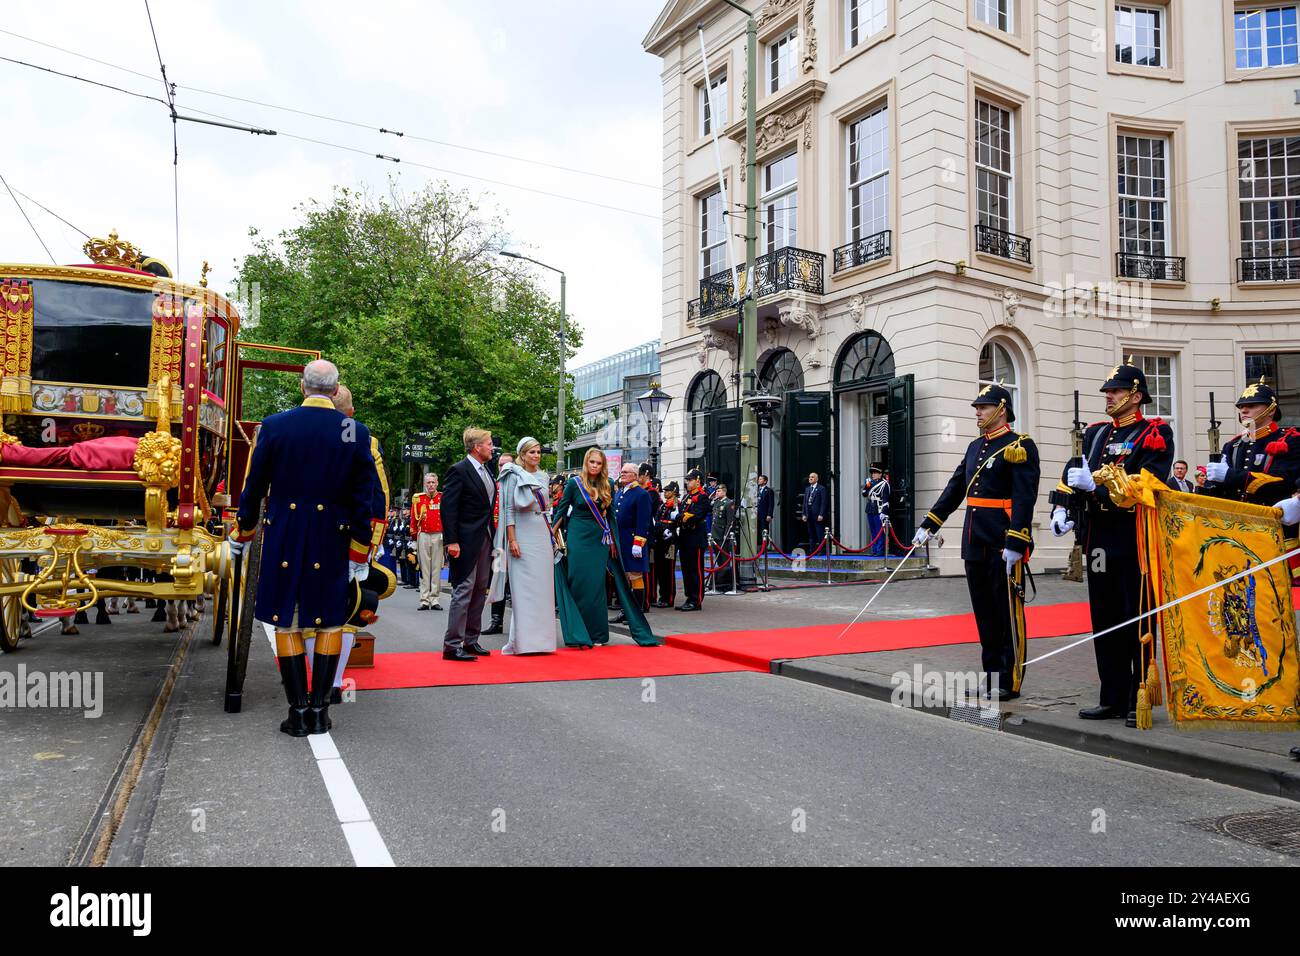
[1231, 654]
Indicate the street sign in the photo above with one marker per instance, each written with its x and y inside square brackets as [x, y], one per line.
[418, 448]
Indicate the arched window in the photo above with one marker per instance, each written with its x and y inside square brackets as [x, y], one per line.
[782, 373]
[707, 391]
[867, 357]
[999, 366]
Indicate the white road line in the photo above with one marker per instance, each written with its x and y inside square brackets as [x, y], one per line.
[367, 846]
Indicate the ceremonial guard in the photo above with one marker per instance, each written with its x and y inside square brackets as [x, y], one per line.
[664, 547]
[426, 526]
[317, 467]
[1262, 465]
[877, 491]
[1133, 442]
[998, 480]
[632, 522]
[692, 537]
[724, 519]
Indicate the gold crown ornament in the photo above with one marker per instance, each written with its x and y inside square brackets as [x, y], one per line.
[113, 252]
[86, 430]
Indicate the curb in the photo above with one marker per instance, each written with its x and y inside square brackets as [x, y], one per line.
[1272, 774]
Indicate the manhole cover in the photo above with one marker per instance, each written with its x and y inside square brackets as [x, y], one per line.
[1276, 830]
[987, 717]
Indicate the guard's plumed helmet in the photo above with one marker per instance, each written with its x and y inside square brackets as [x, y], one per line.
[995, 395]
[1259, 393]
[1128, 376]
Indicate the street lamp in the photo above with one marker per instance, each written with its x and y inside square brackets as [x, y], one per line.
[654, 406]
[559, 427]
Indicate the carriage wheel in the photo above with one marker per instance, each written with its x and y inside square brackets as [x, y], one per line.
[242, 623]
[221, 605]
[15, 626]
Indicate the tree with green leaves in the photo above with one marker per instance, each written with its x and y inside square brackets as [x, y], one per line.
[431, 330]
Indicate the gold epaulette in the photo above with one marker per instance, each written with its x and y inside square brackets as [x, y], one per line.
[1014, 453]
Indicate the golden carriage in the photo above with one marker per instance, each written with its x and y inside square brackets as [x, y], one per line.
[122, 444]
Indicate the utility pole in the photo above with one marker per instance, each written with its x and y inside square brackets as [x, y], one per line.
[748, 338]
[560, 403]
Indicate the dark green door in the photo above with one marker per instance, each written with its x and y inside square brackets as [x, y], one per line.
[807, 447]
[723, 455]
[902, 457]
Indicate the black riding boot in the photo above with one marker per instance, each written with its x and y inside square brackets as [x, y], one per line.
[293, 673]
[322, 682]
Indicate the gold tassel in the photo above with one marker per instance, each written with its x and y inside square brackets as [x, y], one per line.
[1143, 709]
[1154, 688]
[1016, 455]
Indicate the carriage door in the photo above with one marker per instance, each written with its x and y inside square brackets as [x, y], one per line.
[806, 447]
[266, 381]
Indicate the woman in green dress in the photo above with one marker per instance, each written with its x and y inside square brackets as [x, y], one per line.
[586, 518]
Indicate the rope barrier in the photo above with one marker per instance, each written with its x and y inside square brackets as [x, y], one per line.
[847, 550]
[739, 559]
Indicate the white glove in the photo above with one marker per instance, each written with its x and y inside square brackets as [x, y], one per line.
[1216, 471]
[921, 537]
[636, 550]
[1290, 510]
[357, 570]
[1010, 557]
[1061, 525]
[1080, 478]
[236, 547]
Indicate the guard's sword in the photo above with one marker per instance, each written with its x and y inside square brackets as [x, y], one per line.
[878, 590]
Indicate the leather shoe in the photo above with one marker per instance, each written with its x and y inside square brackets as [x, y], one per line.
[478, 650]
[662, 604]
[457, 655]
[1131, 719]
[689, 606]
[493, 628]
[1100, 712]
[1295, 753]
[621, 619]
[422, 607]
[336, 695]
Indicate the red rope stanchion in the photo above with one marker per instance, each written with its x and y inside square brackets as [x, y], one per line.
[896, 541]
[738, 559]
[847, 550]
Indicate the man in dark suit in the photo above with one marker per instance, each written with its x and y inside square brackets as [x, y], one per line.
[468, 496]
[1179, 480]
[315, 469]
[766, 504]
[814, 510]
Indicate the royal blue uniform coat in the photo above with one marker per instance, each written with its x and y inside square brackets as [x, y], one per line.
[314, 467]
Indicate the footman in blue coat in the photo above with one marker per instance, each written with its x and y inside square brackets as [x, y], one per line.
[314, 466]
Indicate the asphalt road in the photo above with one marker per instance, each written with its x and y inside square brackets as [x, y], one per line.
[740, 769]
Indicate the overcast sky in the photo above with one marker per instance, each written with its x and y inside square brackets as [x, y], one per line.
[558, 82]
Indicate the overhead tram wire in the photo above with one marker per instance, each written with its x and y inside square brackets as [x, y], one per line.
[30, 224]
[52, 213]
[170, 90]
[345, 122]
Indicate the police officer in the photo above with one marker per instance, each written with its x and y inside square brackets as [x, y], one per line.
[1261, 465]
[877, 491]
[998, 480]
[664, 548]
[319, 472]
[692, 538]
[1129, 440]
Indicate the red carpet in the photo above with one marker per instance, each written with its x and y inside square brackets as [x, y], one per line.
[714, 653]
[601, 663]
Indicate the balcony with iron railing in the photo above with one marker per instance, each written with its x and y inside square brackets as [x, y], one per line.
[862, 251]
[1003, 244]
[1268, 269]
[1131, 265]
[780, 273]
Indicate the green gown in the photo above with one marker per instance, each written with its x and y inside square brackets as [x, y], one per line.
[580, 577]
